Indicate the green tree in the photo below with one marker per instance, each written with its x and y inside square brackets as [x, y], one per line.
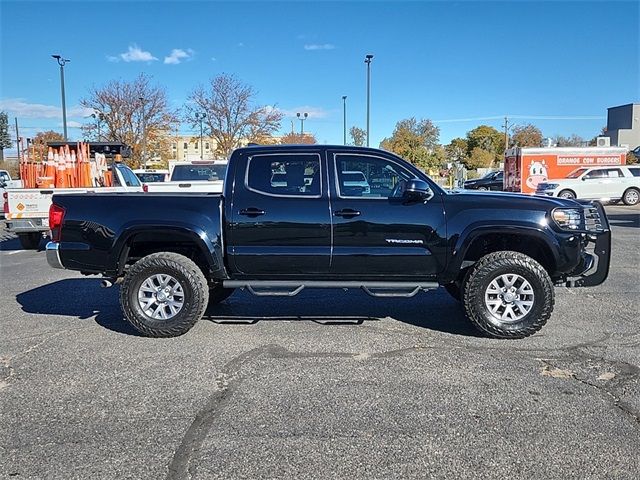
[479, 158]
[5, 138]
[415, 141]
[487, 138]
[527, 135]
[457, 150]
[358, 136]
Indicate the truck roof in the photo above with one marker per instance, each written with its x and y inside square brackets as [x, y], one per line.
[289, 147]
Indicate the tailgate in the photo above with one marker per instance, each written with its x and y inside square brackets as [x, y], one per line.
[28, 203]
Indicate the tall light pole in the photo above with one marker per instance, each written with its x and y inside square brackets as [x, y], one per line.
[99, 116]
[144, 134]
[302, 117]
[344, 118]
[62, 62]
[200, 116]
[367, 60]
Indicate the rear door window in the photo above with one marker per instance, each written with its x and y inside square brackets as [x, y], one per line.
[285, 175]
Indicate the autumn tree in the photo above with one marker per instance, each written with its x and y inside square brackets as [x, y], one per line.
[5, 138]
[526, 135]
[298, 139]
[632, 158]
[456, 150]
[358, 136]
[133, 113]
[231, 114]
[415, 141]
[38, 146]
[479, 158]
[488, 139]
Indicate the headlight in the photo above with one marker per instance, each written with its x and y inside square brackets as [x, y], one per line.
[567, 218]
[550, 186]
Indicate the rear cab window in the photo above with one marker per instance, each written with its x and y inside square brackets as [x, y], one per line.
[285, 175]
[207, 173]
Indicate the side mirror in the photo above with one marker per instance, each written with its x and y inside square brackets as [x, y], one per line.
[417, 190]
[583, 178]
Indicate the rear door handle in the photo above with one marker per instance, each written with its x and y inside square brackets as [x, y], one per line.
[252, 212]
[347, 213]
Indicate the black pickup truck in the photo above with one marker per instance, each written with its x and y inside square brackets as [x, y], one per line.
[296, 217]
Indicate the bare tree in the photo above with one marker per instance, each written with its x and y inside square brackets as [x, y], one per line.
[134, 113]
[231, 115]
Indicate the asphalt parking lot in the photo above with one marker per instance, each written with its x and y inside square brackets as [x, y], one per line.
[327, 385]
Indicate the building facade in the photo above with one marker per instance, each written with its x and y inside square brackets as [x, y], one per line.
[623, 125]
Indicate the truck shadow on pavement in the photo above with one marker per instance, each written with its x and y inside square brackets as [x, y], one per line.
[629, 220]
[83, 298]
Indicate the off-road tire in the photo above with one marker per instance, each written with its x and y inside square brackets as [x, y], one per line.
[507, 262]
[219, 294]
[629, 198]
[568, 194]
[30, 241]
[185, 271]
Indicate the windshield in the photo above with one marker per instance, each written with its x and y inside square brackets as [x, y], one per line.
[209, 173]
[576, 173]
[490, 174]
[353, 177]
[151, 177]
[4, 177]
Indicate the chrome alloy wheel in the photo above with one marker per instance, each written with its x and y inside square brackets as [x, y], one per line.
[509, 298]
[161, 296]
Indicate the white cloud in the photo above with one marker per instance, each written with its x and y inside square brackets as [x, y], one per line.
[240, 44]
[177, 55]
[71, 124]
[314, 112]
[214, 59]
[133, 54]
[17, 107]
[319, 46]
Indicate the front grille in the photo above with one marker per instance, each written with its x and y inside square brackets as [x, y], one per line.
[592, 220]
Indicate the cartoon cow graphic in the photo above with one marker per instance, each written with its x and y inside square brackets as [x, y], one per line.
[537, 174]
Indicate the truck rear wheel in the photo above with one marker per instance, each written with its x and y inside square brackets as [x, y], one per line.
[30, 241]
[164, 295]
[508, 295]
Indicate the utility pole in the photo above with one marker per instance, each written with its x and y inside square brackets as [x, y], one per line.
[200, 116]
[144, 135]
[506, 133]
[62, 62]
[344, 118]
[17, 139]
[367, 60]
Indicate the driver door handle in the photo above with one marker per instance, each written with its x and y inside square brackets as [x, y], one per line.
[347, 213]
[252, 212]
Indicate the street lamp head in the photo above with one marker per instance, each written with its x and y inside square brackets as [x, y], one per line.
[306, 115]
[344, 97]
[367, 58]
[57, 57]
[298, 114]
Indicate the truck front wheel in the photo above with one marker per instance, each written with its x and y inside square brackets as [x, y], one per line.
[30, 241]
[164, 295]
[508, 295]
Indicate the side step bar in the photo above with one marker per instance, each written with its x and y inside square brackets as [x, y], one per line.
[281, 288]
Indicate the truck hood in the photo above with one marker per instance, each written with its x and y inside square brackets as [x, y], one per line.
[516, 201]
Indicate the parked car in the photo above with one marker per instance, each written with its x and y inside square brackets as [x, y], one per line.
[198, 176]
[499, 253]
[152, 175]
[491, 181]
[597, 183]
[356, 179]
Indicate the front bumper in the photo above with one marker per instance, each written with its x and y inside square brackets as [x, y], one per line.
[53, 255]
[596, 258]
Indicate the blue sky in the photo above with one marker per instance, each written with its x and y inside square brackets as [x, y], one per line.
[447, 61]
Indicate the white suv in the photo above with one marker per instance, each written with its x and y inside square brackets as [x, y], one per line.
[597, 183]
